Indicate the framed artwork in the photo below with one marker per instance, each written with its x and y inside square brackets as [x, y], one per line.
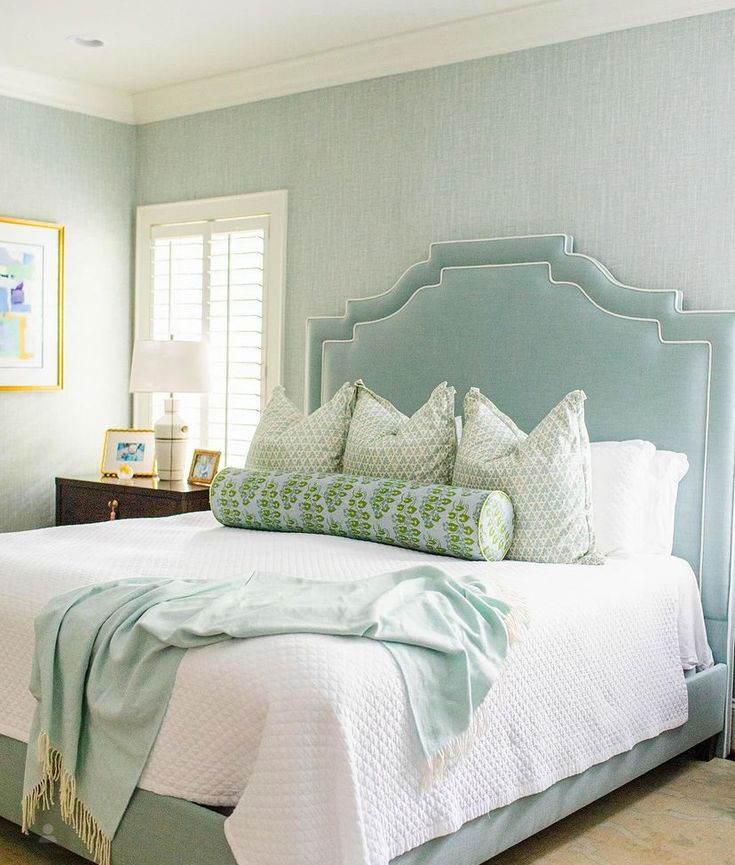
[31, 305]
[204, 467]
[133, 449]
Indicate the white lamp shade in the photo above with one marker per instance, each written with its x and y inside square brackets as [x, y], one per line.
[169, 366]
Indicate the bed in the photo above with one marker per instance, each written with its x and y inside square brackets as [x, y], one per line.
[527, 320]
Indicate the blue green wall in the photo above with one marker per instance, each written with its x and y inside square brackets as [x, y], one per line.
[58, 166]
[626, 141]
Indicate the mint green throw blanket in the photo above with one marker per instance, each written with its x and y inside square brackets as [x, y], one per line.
[106, 659]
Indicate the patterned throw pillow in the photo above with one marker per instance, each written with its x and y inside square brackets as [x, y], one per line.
[286, 440]
[384, 443]
[547, 475]
[467, 524]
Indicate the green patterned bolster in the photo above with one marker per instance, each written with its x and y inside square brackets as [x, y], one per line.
[452, 521]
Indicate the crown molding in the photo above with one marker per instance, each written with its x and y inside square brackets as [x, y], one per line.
[68, 95]
[541, 23]
[545, 22]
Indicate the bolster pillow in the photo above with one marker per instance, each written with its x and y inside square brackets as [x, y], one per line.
[451, 521]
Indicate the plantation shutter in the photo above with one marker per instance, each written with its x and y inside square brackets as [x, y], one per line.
[207, 282]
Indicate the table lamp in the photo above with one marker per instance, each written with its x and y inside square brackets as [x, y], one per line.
[173, 366]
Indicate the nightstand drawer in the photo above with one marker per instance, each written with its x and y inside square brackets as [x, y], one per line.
[94, 501]
[80, 505]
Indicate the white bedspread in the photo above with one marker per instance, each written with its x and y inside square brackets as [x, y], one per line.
[309, 735]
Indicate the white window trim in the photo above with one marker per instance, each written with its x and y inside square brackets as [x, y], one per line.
[270, 204]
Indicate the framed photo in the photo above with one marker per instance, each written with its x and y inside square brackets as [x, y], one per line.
[204, 467]
[134, 448]
[31, 305]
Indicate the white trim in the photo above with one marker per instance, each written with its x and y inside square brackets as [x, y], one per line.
[68, 95]
[541, 23]
[271, 205]
[544, 22]
[568, 250]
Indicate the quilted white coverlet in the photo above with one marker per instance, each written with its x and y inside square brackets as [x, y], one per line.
[309, 736]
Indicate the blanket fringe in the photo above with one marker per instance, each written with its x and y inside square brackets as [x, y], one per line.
[516, 622]
[517, 619]
[73, 812]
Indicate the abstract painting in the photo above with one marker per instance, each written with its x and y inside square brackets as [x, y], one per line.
[31, 285]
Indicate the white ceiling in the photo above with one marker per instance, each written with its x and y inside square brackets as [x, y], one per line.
[154, 43]
[164, 58]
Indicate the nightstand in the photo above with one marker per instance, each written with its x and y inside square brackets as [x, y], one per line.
[96, 499]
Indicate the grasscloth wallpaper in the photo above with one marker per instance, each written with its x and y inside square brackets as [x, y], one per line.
[626, 141]
[79, 171]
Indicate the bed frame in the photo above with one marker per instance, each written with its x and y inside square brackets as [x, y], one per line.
[526, 320]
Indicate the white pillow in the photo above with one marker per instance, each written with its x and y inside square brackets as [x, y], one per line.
[657, 529]
[619, 491]
[634, 489]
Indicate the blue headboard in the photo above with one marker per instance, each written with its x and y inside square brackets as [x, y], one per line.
[526, 320]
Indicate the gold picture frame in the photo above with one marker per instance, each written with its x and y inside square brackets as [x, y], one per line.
[204, 465]
[31, 305]
[135, 448]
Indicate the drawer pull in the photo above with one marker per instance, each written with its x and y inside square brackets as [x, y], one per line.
[113, 505]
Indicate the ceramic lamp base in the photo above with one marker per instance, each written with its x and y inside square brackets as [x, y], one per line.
[172, 436]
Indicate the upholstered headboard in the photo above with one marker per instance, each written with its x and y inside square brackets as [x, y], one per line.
[526, 320]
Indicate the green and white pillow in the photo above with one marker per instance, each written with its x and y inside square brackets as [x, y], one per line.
[467, 524]
[384, 443]
[287, 440]
[547, 475]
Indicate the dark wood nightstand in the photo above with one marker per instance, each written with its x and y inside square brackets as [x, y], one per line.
[96, 499]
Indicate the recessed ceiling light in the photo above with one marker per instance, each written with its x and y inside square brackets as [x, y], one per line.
[86, 41]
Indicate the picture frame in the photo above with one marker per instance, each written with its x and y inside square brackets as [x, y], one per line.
[135, 448]
[31, 305]
[204, 465]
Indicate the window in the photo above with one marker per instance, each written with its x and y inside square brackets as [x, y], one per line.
[213, 270]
